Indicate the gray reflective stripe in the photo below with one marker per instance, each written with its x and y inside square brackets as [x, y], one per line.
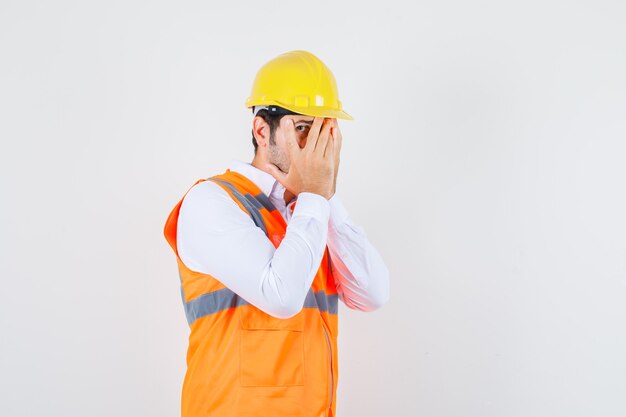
[263, 199]
[247, 203]
[253, 201]
[259, 201]
[211, 303]
[216, 301]
[321, 301]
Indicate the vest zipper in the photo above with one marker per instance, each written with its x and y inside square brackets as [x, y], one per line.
[330, 353]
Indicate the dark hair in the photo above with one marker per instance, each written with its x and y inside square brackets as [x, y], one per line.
[273, 120]
[272, 117]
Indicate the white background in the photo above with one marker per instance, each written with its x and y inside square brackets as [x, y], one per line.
[485, 162]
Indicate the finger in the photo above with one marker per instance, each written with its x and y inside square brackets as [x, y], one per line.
[338, 137]
[322, 140]
[280, 176]
[290, 134]
[314, 132]
[330, 148]
[333, 136]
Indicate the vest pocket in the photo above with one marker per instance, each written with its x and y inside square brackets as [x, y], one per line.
[272, 351]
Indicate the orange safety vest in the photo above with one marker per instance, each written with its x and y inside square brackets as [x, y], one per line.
[243, 362]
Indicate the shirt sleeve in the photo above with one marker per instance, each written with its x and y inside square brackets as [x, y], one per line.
[216, 237]
[361, 276]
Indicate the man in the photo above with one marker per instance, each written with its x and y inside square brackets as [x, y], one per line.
[261, 275]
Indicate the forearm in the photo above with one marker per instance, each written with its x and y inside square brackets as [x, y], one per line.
[360, 273]
[287, 279]
[217, 238]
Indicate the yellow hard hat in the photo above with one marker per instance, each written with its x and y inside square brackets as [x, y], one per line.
[300, 82]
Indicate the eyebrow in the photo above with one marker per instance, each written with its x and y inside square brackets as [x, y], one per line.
[308, 122]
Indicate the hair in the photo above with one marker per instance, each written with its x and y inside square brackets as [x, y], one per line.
[273, 120]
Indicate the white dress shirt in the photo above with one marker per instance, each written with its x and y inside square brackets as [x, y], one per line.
[216, 237]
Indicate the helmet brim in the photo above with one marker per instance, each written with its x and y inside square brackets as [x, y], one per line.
[315, 111]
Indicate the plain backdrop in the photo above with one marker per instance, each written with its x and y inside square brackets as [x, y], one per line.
[486, 162]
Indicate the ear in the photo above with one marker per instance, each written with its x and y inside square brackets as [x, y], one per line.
[261, 131]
